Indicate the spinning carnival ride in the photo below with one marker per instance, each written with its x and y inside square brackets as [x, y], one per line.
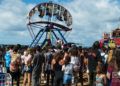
[47, 23]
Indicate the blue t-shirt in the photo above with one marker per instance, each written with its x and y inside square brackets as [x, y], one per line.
[7, 59]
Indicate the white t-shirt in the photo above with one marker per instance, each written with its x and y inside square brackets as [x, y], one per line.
[68, 69]
[74, 60]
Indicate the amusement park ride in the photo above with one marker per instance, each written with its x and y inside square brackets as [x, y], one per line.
[48, 21]
[111, 39]
[116, 36]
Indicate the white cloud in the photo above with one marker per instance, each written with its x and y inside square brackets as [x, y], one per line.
[90, 19]
[13, 16]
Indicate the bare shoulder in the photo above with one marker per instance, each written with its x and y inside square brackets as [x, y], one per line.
[103, 75]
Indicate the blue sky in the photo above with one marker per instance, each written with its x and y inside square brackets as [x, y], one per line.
[39, 1]
[34, 1]
[90, 19]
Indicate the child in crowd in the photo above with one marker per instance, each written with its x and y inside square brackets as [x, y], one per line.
[100, 77]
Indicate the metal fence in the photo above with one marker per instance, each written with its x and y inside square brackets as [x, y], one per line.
[5, 79]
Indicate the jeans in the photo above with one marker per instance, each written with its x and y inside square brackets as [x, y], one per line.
[35, 79]
[58, 81]
[15, 76]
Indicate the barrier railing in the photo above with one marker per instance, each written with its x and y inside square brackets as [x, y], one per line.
[5, 79]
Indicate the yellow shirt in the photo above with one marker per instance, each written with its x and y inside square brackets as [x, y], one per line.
[14, 57]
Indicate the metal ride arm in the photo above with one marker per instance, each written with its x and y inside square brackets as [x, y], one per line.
[43, 43]
[35, 39]
[62, 36]
[54, 24]
[55, 34]
[30, 32]
[48, 38]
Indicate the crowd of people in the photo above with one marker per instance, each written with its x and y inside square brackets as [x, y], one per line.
[63, 66]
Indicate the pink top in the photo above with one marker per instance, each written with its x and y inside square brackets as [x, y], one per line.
[27, 59]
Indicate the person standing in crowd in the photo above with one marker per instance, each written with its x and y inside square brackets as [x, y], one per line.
[92, 63]
[100, 77]
[57, 68]
[22, 61]
[104, 57]
[81, 56]
[68, 71]
[27, 67]
[113, 72]
[75, 60]
[65, 50]
[14, 66]
[48, 60]
[7, 58]
[1, 55]
[110, 70]
[38, 60]
[110, 54]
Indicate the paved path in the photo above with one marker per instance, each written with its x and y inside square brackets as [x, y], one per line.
[43, 84]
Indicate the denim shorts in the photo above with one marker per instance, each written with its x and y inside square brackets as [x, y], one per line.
[27, 69]
[67, 79]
